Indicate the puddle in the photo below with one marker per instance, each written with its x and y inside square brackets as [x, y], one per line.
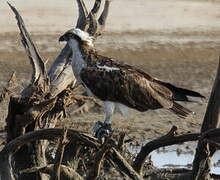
[178, 156]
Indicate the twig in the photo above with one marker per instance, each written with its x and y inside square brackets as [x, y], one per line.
[166, 140]
[55, 175]
[66, 172]
[94, 173]
[121, 141]
[114, 156]
[213, 143]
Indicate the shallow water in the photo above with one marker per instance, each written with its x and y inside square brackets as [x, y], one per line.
[178, 156]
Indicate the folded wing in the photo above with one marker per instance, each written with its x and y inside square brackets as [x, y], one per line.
[130, 87]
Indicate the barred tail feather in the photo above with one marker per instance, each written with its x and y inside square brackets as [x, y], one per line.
[180, 110]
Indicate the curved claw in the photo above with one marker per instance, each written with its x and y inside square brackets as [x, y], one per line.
[102, 131]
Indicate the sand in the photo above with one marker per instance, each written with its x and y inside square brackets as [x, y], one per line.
[174, 40]
[125, 16]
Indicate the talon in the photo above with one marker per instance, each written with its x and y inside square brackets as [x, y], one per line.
[102, 131]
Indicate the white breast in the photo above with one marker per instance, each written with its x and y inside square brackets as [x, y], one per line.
[77, 59]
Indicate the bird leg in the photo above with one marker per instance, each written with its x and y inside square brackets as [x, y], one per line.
[103, 129]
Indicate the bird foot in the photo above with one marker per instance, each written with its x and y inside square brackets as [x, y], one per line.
[102, 131]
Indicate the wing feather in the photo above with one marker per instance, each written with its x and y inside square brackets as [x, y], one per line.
[127, 85]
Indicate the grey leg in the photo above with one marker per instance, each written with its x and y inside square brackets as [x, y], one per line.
[109, 108]
[103, 129]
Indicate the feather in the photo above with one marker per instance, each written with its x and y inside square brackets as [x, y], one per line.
[180, 94]
[117, 82]
[180, 110]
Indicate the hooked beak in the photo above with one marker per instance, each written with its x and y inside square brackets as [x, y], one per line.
[63, 38]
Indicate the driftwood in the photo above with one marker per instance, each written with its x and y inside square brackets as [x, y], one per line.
[169, 139]
[44, 101]
[9, 89]
[106, 152]
[33, 115]
[204, 151]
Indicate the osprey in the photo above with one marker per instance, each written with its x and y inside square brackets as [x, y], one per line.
[118, 84]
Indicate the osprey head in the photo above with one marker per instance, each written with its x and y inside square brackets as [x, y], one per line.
[79, 35]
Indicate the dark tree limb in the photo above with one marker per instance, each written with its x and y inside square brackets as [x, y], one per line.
[121, 141]
[6, 171]
[50, 134]
[204, 151]
[120, 163]
[94, 173]
[71, 154]
[83, 14]
[169, 139]
[103, 18]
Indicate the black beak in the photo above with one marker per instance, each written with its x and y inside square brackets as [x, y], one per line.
[63, 38]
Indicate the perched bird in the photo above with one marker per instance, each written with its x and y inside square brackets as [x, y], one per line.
[118, 84]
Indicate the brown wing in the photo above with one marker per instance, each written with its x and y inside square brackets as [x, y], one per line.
[119, 86]
[125, 84]
[126, 87]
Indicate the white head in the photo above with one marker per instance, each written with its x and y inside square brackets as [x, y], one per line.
[79, 35]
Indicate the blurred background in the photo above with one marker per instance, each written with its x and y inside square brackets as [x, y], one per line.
[174, 40]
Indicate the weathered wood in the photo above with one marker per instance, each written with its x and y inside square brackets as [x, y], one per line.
[83, 14]
[94, 173]
[6, 170]
[66, 173]
[50, 134]
[169, 139]
[121, 140]
[39, 70]
[204, 152]
[71, 154]
[55, 175]
[9, 89]
[122, 164]
[103, 18]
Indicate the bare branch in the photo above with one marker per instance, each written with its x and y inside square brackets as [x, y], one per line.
[6, 171]
[211, 120]
[38, 65]
[96, 7]
[66, 172]
[114, 156]
[71, 154]
[167, 140]
[46, 134]
[121, 141]
[49, 134]
[95, 26]
[83, 14]
[212, 142]
[98, 162]
[55, 175]
[103, 17]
